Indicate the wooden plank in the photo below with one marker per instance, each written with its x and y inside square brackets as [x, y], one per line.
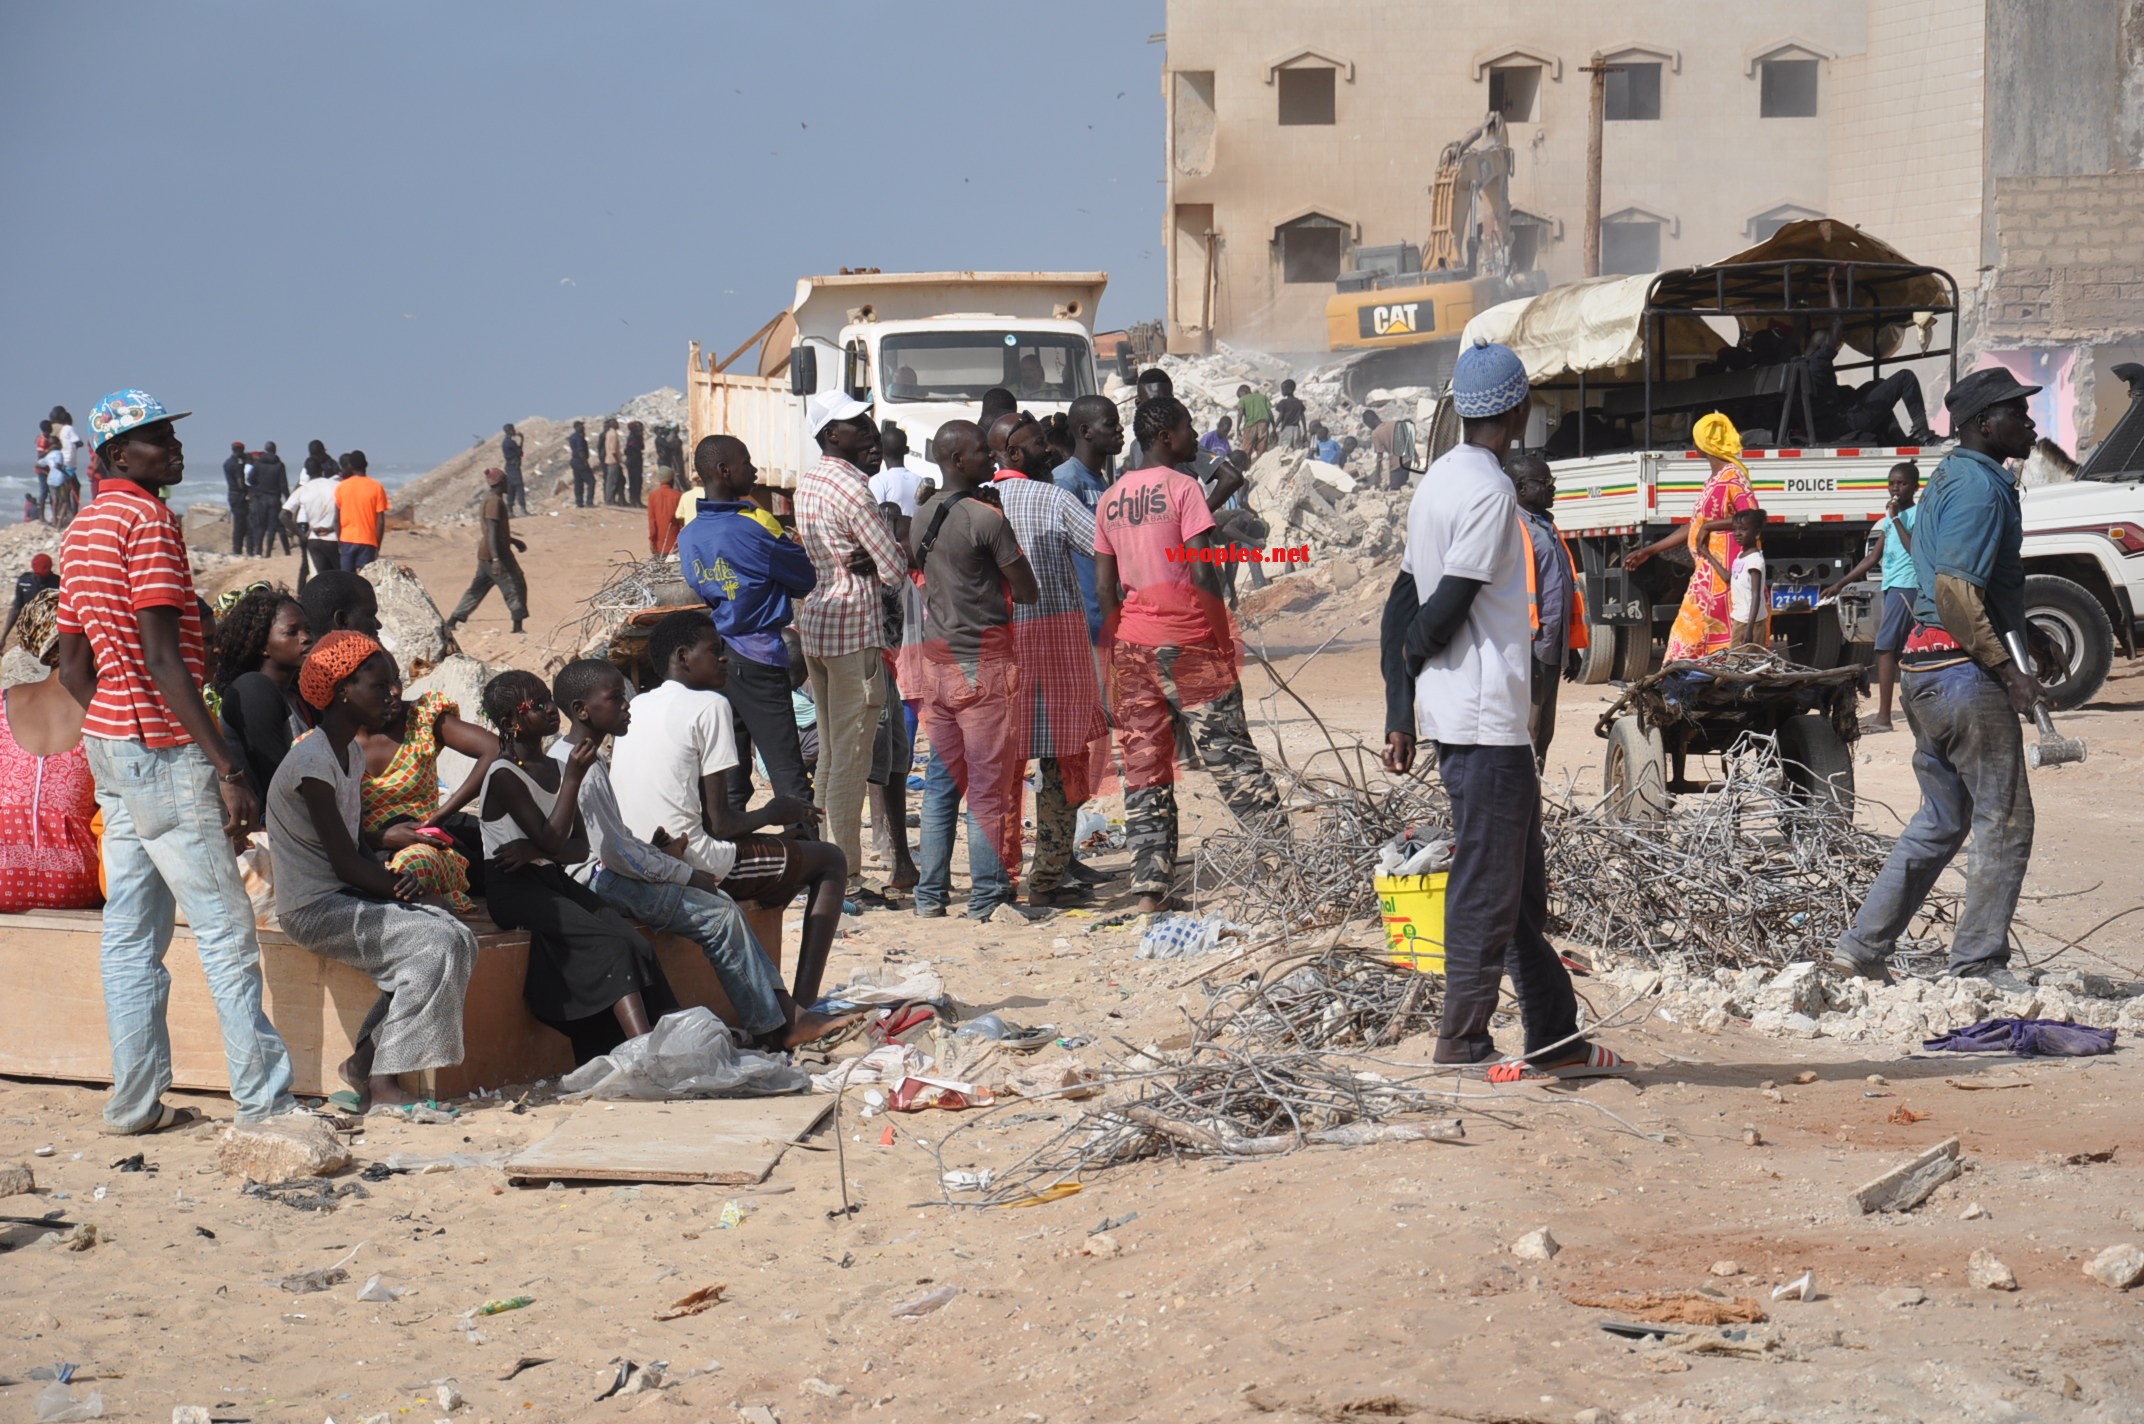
[730, 1142]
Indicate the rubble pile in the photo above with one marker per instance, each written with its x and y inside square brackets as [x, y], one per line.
[1808, 1000]
[1207, 384]
[452, 491]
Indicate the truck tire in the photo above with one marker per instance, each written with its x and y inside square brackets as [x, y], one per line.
[1635, 772]
[1819, 765]
[1596, 663]
[2068, 621]
[1815, 639]
[1633, 651]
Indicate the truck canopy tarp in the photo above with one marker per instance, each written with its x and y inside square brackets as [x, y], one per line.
[1598, 325]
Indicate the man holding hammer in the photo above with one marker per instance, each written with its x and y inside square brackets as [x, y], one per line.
[1963, 690]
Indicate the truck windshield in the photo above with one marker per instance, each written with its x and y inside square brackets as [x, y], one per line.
[961, 365]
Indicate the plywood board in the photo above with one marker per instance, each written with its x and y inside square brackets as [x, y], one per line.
[730, 1142]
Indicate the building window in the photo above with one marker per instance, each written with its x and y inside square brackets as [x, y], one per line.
[1193, 118]
[1306, 95]
[1311, 248]
[1787, 89]
[1629, 246]
[1514, 90]
[1529, 236]
[1766, 225]
[1633, 93]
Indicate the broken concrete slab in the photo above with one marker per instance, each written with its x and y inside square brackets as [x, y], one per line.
[2117, 1267]
[1985, 1271]
[1910, 1183]
[281, 1149]
[1536, 1245]
[411, 625]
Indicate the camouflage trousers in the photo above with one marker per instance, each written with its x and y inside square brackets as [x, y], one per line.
[1152, 686]
[1058, 781]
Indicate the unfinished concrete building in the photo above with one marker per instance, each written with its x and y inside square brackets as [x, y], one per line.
[1978, 135]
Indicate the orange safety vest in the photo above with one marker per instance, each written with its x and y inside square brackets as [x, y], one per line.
[1577, 638]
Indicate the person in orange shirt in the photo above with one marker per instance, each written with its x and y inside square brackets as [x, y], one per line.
[663, 521]
[361, 504]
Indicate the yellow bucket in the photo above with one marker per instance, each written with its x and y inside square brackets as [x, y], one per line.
[1413, 907]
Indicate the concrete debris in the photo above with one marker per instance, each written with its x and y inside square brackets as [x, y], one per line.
[17, 1179]
[1904, 1297]
[1806, 1001]
[1985, 1271]
[1726, 1268]
[1909, 1184]
[2117, 1267]
[281, 1149]
[1974, 1211]
[411, 625]
[1536, 1245]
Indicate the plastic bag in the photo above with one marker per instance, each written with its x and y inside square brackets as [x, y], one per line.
[57, 1404]
[1184, 936]
[687, 1055]
[256, 871]
[1418, 850]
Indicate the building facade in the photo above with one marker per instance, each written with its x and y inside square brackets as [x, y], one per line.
[1977, 135]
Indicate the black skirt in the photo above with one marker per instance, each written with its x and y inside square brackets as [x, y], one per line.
[583, 956]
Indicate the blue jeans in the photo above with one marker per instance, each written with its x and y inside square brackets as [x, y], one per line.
[989, 885]
[1969, 754]
[356, 556]
[164, 850]
[714, 923]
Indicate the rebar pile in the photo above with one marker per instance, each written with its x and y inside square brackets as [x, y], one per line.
[1267, 1072]
[1747, 874]
[1316, 866]
[630, 587]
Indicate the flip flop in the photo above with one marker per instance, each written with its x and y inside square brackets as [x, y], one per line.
[1599, 1062]
[899, 1019]
[347, 1102]
[168, 1118]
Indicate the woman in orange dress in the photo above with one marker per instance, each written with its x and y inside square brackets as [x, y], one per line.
[402, 812]
[49, 851]
[1701, 625]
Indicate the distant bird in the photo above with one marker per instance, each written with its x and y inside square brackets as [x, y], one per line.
[567, 282]
[1120, 93]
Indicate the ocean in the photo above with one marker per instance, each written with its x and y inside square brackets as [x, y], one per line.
[202, 482]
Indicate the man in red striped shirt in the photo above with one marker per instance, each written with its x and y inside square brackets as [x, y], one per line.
[175, 800]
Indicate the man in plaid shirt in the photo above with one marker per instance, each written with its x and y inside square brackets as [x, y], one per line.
[855, 555]
[1060, 703]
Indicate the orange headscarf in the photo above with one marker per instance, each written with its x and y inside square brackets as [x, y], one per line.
[333, 659]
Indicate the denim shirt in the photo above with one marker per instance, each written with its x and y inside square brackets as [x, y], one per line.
[1971, 525]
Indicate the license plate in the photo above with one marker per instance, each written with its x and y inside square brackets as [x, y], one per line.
[1794, 597]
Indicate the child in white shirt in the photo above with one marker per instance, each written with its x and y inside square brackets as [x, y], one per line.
[1746, 594]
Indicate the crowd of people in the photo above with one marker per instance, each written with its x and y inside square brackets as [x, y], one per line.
[1032, 599]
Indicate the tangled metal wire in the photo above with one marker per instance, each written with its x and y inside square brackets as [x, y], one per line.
[1273, 1065]
[630, 587]
[1748, 873]
[1318, 865]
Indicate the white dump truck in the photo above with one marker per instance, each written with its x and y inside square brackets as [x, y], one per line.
[922, 347]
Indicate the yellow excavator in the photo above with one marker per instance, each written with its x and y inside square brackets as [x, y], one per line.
[1404, 306]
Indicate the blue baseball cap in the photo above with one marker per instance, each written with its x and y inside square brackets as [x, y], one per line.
[126, 410]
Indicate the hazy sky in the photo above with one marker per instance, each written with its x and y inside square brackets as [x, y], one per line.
[393, 225]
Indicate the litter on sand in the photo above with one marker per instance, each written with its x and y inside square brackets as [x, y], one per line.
[700, 1300]
[2027, 1038]
[1677, 1307]
[926, 1304]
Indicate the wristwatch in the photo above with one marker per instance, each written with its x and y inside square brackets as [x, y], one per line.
[231, 778]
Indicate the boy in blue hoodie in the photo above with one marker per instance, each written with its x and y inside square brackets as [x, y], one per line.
[737, 557]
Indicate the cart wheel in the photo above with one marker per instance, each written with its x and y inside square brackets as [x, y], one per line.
[1636, 774]
[1633, 652]
[1819, 766]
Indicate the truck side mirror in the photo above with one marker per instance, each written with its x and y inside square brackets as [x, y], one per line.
[856, 370]
[803, 371]
[1125, 366]
[1406, 450]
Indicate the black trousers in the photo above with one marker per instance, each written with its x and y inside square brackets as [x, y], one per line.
[1496, 905]
[1541, 721]
[766, 719]
[264, 525]
[241, 504]
[324, 554]
[584, 486]
[632, 477]
[1870, 409]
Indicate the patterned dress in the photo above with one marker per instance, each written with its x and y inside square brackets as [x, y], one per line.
[409, 787]
[1702, 626]
[48, 853]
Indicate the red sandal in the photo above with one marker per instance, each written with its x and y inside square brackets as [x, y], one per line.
[1599, 1062]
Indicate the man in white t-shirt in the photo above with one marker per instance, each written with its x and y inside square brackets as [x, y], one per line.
[1468, 647]
[319, 518]
[895, 483]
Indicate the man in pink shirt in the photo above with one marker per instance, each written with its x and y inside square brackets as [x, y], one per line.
[1167, 640]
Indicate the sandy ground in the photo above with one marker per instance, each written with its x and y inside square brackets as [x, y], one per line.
[1329, 1285]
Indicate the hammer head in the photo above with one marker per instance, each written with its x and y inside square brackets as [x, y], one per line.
[2054, 751]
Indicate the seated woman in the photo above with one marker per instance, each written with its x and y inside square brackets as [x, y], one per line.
[403, 815]
[262, 638]
[591, 975]
[335, 901]
[48, 852]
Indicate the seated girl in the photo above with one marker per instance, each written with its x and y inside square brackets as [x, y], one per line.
[48, 851]
[403, 815]
[335, 901]
[591, 975]
[261, 640]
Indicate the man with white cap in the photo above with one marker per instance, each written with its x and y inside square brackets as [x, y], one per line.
[1468, 647]
[173, 794]
[839, 622]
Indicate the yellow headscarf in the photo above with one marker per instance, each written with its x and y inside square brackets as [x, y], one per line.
[1715, 435]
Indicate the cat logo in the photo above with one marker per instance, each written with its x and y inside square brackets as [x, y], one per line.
[1397, 319]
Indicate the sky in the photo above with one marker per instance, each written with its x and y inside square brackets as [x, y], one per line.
[394, 225]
